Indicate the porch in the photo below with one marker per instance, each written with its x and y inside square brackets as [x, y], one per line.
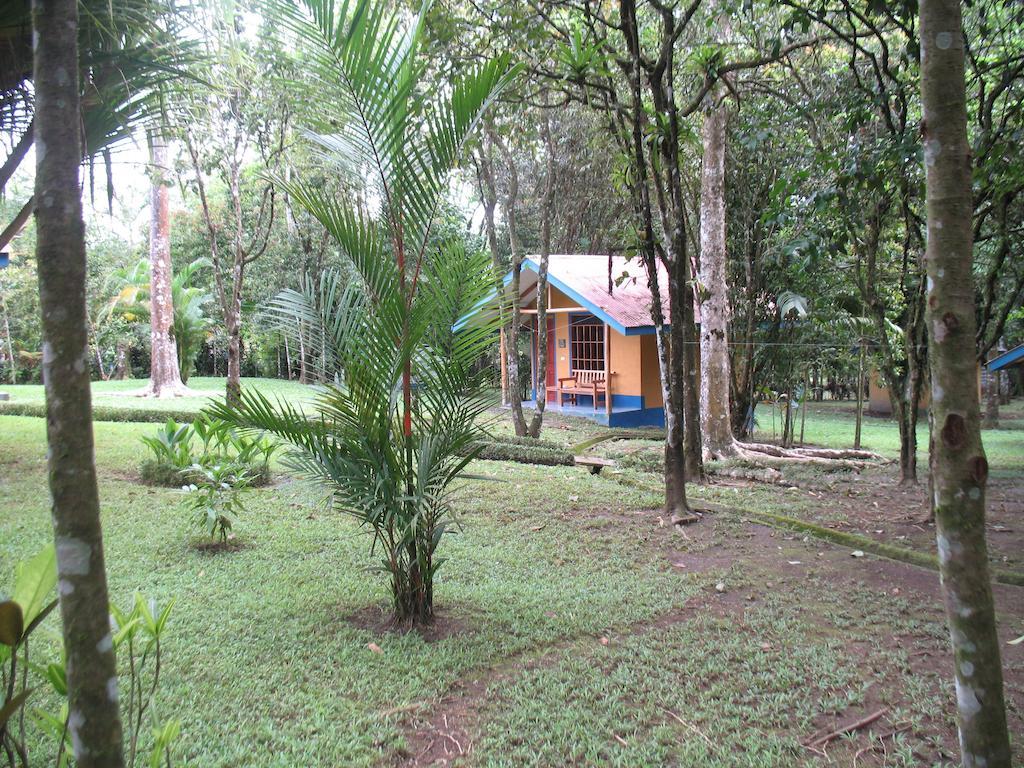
[626, 411]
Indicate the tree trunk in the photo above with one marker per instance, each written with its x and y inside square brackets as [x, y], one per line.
[287, 358]
[515, 317]
[992, 393]
[233, 393]
[94, 723]
[958, 462]
[13, 373]
[860, 395]
[547, 202]
[164, 375]
[303, 372]
[715, 413]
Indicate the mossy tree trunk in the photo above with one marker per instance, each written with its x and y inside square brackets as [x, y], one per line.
[94, 721]
[715, 374]
[958, 463]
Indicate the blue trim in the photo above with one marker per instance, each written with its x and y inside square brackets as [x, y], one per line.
[596, 311]
[647, 417]
[1006, 359]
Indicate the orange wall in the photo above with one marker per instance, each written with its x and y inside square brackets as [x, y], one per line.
[633, 360]
[561, 352]
[625, 365]
[559, 299]
[651, 374]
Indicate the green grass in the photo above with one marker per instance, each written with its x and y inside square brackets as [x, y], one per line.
[119, 393]
[262, 665]
[265, 666]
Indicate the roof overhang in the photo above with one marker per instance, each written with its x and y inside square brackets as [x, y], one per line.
[1013, 357]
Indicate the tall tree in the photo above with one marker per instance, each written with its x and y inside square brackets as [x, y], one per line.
[94, 720]
[165, 372]
[224, 130]
[715, 374]
[487, 177]
[958, 464]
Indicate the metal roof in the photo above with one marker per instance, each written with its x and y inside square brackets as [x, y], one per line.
[585, 279]
[1015, 355]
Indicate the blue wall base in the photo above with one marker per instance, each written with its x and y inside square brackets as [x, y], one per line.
[646, 417]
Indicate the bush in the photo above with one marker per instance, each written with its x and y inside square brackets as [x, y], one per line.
[113, 413]
[524, 450]
[181, 454]
[167, 475]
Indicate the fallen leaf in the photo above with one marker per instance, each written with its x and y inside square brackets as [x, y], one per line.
[537, 527]
[1018, 641]
[375, 648]
[794, 562]
[604, 641]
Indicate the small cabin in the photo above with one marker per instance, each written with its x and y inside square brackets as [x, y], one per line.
[601, 342]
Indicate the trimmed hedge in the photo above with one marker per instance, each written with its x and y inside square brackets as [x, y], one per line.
[169, 476]
[525, 450]
[105, 413]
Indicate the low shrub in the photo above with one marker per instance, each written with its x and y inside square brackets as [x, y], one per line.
[113, 413]
[215, 498]
[182, 454]
[167, 475]
[525, 450]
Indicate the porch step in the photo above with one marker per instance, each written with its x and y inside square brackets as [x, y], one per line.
[594, 463]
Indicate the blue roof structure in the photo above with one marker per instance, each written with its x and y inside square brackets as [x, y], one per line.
[1013, 357]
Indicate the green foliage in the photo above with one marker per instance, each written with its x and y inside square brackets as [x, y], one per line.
[172, 444]
[388, 453]
[523, 450]
[182, 453]
[138, 632]
[129, 301]
[215, 499]
[102, 412]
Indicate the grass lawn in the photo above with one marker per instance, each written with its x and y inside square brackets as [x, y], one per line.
[120, 393]
[576, 627]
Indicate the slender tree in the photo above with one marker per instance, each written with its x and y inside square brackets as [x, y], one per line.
[93, 721]
[958, 464]
[165, 372]
[715, 374]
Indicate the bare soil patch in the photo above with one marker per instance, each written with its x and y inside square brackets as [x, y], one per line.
[379, 620]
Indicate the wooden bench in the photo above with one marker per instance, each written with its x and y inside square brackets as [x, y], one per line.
[591, 383]
[594, 463]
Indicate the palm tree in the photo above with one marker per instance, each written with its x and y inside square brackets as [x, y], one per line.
[388, 450]
[129, 297]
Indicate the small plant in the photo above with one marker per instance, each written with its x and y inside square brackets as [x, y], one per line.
[138, 632]
[177, 451]
[29, 604]
[172, 444]
[216, 498]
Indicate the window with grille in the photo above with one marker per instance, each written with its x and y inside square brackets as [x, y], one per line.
[587, 334]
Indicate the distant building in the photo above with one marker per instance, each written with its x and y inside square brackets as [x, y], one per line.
[602, 347]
